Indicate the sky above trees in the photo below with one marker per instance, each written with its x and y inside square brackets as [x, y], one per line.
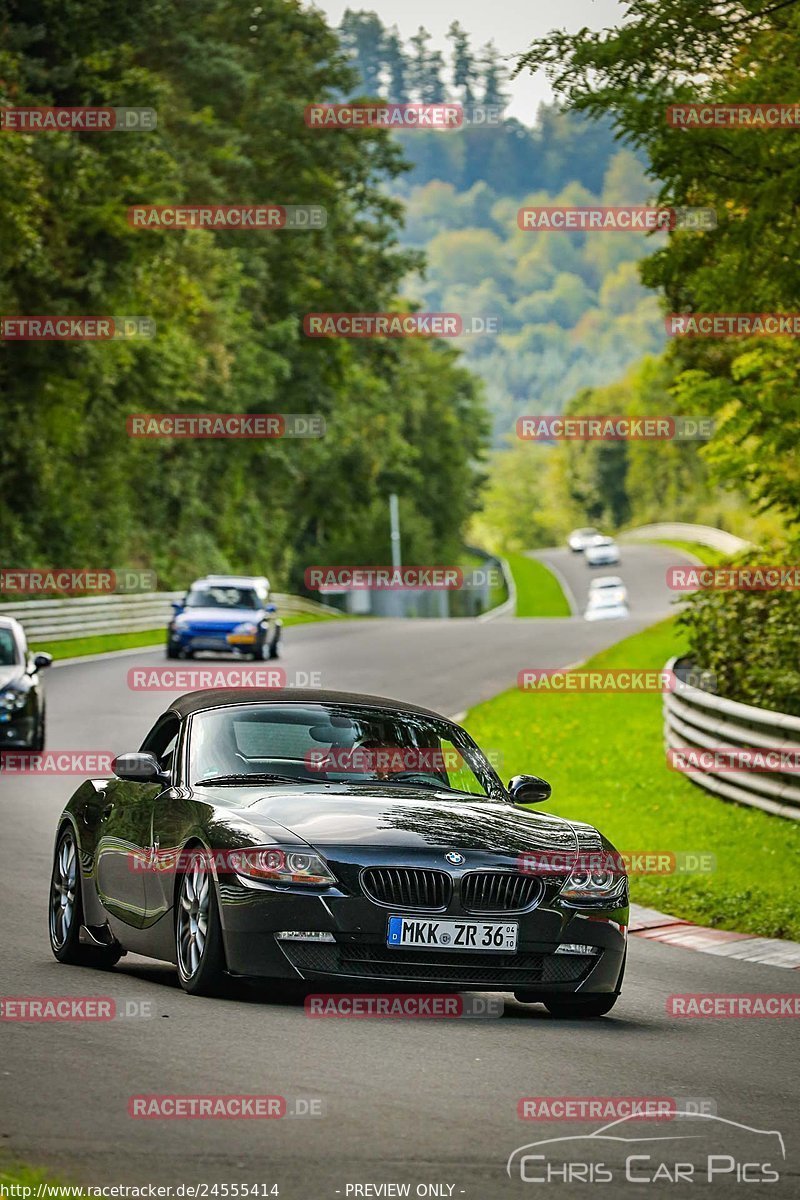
[512, 26]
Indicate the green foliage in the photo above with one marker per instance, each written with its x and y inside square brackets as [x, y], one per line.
[676, 51]
[573, 313]
[230, 88]
[518, 510]
[750, 640]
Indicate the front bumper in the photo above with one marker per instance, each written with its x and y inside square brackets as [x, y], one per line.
[359, 955]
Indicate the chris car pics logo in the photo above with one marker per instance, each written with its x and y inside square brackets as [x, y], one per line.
[695, 1147]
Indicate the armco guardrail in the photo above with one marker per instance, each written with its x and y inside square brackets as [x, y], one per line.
[704, 535]
[702, 720]
[86, 616]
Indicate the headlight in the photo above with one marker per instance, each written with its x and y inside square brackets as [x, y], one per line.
[247, 627]
[11, 699]
[592, 886]
[282, 866]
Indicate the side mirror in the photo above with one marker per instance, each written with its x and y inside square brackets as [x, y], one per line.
[177, 607]
[139, 768]
[529, 789]
[41, 661]
[271, 608]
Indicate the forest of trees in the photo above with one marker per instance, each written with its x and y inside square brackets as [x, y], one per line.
[572, 311]
[229, 87]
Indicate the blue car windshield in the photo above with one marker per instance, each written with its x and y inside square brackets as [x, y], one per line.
[223, 597]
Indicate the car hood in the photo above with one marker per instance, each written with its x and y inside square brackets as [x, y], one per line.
[219, 616]
[13, 674]
[389, 815]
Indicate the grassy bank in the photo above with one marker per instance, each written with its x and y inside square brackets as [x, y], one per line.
[105, 642]
[706, 554]
[604, 755]
[32, 1178]
[539, 593]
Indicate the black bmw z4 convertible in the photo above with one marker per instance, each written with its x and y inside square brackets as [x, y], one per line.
[340, 840]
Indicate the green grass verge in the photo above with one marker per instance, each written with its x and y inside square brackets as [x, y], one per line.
[604, 755]
[706, 554]
[102, 643]
[20, 1177]
[539, 593]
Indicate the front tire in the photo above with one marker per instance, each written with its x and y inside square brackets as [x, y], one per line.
[66, 911]
[200, 954]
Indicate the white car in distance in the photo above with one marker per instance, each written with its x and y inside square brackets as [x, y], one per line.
[607, 599]
[606, 586]
[579, 539]
[601, 552]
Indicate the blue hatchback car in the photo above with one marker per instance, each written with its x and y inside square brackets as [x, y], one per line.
[228, 614]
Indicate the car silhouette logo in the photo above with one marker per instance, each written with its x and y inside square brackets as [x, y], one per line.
[454, 858]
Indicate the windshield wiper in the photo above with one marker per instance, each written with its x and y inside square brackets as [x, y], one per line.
[255, 777]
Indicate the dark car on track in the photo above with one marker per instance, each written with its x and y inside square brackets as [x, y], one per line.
[333, 838]
[22, 705]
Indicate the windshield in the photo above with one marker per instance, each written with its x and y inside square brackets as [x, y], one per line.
[222, 597]
[322, 743]
[9, 651]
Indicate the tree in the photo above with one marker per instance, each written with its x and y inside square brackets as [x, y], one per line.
[675, 52]
[425, 69]
[494, 75]
[464, 69]
[228, 306]
[397, 67]
[364, 39]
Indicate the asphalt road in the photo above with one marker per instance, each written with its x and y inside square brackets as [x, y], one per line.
[643, 567]
[406, 1102]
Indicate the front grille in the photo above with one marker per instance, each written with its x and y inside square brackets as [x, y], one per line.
[505, 973]
[408, 887]
[499, 891]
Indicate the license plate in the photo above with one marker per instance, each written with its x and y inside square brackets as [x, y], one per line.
[452, 935]
[241, 639]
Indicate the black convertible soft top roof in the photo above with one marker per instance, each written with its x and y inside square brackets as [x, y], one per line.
[192, 702]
